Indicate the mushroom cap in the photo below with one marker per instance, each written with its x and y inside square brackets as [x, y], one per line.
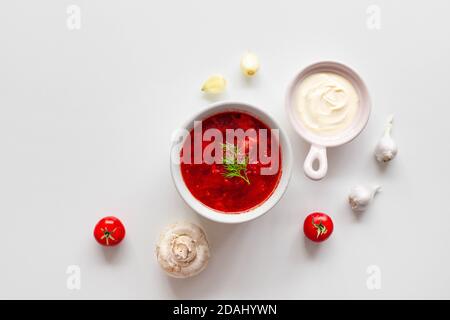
[183, 250]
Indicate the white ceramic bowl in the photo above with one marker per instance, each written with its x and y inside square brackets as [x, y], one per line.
[286, 166]
[319, 143]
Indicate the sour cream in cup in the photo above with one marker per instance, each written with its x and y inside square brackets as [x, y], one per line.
[328, 105]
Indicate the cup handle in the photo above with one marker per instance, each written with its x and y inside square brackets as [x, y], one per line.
[318, 153]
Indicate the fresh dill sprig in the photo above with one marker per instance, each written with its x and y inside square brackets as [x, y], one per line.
[234, 163]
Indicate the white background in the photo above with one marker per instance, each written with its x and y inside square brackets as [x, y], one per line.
[87, 115]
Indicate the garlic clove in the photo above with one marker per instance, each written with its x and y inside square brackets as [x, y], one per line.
[214, 84]
[361, 196]
[386, 149]
[183, 250]
[249, 64]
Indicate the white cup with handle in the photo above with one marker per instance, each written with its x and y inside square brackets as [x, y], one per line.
[320, 143]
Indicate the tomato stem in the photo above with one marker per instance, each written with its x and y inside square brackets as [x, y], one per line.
[320, 228]
[108, 235]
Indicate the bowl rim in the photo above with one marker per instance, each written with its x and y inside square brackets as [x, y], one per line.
[360, 121]
[261, 209]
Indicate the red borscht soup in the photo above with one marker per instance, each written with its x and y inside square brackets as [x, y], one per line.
[238, 182]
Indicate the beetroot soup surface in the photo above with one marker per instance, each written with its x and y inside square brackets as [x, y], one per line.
[207, 183]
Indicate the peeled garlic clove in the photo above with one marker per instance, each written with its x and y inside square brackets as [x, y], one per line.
[361, 196]
[214, 84]
[183, 250]
[249, 64]
[386, 149]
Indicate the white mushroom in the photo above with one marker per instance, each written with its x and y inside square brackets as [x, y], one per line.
[183, 250]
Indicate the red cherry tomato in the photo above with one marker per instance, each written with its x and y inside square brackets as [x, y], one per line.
[109, 231]
[318, 226]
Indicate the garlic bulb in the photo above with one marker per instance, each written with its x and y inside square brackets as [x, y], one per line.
[183, 250]
[360, 197]
[214, 84]
[386, 149]
[249, 64]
